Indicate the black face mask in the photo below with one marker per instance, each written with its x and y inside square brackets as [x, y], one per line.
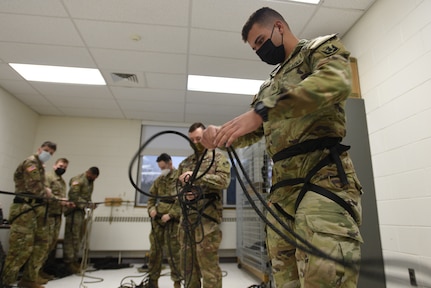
[60, 171]
[269, 53]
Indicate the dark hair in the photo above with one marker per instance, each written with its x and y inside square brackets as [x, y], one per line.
[195, 126]
[49, 144]
[164, 157]
[264, 16]
[64, 160]
[94, 170]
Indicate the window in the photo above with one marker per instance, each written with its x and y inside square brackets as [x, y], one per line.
[149, 172]
[178, 148]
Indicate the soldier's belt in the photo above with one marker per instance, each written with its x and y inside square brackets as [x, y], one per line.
[27, 200]
[168, 201]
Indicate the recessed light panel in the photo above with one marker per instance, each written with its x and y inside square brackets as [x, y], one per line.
[59, 74]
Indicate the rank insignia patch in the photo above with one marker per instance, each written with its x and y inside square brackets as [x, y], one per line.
[330, 49]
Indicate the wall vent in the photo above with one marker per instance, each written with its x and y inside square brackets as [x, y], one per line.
[138, 219]
[128, 219]
[124, 77]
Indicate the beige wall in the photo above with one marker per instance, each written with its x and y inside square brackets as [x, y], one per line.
[392, 43]
[18, 126]
[107, 143]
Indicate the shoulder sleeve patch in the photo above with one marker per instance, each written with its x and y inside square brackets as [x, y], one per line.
[330, 50]
[31, 168]
[74, 183]
[315, 43]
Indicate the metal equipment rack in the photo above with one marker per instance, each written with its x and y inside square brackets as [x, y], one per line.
[251, 247]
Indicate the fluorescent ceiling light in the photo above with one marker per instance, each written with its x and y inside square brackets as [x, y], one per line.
[300, 1]
[223, 85]
[307, 1]
[59, 74]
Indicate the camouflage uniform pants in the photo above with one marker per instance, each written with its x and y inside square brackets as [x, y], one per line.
[73, 233]
[199, 257]
[164, 241]
[54, 224]
[28, 243]
[293, 268]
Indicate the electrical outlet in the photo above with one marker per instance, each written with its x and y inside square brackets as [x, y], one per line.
[412, 276]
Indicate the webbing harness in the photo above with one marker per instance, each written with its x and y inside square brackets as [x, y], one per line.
[336, 149]
[212, 197]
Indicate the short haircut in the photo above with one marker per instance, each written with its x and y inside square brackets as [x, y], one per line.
[49, 144]
[64, 160]
[195, 126]
[264, 16]
[164, 157]
[94, 170]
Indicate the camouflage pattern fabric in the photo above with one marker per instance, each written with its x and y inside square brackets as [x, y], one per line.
[80, 192]
[200, 243]
[305, 96]
[28, 228]
[55, 210]
[164, 236]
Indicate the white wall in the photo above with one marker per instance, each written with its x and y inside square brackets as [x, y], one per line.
[109, 144]
[392, 43]
[17, 131]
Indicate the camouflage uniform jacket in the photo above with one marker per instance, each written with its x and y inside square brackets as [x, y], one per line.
[29, 177]
[58, 187]
[305, 96]
[213, 182]
[165, 186]
[80, 190]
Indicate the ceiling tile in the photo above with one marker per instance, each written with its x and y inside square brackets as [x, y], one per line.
[38, 29]
[161, 42]
[128, 36]
[46, 55]
[166, 12]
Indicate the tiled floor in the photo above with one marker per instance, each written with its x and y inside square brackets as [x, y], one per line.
[130, 277]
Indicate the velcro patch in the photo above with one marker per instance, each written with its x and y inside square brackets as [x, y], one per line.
[31, 168]
[330, 50]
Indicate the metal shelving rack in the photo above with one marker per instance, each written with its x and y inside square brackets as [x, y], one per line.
[251, 247]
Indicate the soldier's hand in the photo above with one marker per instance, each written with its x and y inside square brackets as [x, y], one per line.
[153, 213]
[63, 202]
[209, 135]
[70, 204]
[239, 126]
[48, 192]
[185, 176]
[166, 217]
[190, 196]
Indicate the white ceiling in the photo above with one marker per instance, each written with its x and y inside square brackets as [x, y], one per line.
[161, 41]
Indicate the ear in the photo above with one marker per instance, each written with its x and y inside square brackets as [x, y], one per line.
[280, 26]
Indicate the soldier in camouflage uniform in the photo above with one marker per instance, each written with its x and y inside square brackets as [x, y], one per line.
[55, 181]
[165, 215]
[80, 191]
[300, 112]
[200, 233]
[28, 240]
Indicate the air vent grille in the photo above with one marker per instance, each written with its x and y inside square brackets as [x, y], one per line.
[124, 77]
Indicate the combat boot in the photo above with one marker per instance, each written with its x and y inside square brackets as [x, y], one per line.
[177, 284]
[73, 269]
[153, 284]
[29, 284]
[41, 280]
[46, 275]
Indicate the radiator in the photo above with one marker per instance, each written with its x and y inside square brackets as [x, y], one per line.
[131, 233]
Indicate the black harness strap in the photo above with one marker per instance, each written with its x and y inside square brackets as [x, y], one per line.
[283, 212]
[212, 197]
[335, 148]
[306, 147]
